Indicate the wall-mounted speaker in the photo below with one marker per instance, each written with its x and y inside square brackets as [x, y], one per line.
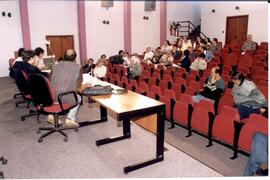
[3, 13]
[9, 14]
[237, 8]
[213, 10]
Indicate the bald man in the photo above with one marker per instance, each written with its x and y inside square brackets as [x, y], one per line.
[67, 76]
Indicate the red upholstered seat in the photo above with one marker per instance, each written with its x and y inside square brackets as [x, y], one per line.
[151, 82]
[181, 109]
[223, 127]
[55, 108]
[255, 123]
[167, 102]
[200, 117]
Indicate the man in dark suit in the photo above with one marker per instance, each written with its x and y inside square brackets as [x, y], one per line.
[117, 59]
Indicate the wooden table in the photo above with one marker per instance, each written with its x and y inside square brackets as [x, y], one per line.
[127, 106]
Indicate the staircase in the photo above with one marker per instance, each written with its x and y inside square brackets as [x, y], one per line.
[187, 28]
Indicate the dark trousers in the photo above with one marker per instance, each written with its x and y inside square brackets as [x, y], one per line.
[245, 111]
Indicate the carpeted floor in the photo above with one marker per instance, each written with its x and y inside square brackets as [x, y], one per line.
[80, 157]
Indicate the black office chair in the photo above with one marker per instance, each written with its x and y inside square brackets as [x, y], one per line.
[4, 161]
[21, 81]
[43, 97]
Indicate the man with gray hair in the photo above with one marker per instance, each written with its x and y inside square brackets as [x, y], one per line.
[249, 44]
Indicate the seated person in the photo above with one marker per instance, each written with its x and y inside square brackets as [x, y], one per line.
[176, 53]
[192, 54]
[213, 87]
[28, 63]
[258, 158]
[67, 76]
[117, 59]
[135, 68]
[249, 44]
[39, 58]
[247, 97]
[100, 70]
[166, 47]
[166, 59]
[185, 61]
[89, 66]
[185, 44]
[19, 58]
[199, 63]
[157, 55]
[126, 59]
[211, 49]
[148, 55]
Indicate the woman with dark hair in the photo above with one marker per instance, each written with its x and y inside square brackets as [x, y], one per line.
[185, 62]
[166, 47]
[247, 97]
[39, 58]
[19, 58]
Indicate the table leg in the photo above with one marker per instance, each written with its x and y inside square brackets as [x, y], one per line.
[103, 118]
[159, 146]
[126, 134]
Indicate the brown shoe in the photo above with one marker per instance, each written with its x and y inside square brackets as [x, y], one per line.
[70, 123]
[50, 120]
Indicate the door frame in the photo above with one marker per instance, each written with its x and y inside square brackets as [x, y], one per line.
[246, 15]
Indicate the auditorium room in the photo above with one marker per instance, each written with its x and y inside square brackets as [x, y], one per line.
[133, 89]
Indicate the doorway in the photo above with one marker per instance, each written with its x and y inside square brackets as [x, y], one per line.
[236, 29]
[59, 44]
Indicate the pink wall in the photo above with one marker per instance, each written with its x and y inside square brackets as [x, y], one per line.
[127, 26]
[82, 30]
[25, 24]
[163, 21]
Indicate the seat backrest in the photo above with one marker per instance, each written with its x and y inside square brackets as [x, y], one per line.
[186, 98]
[21, 81]
[230, 112]
[167, 77]
[143, 85]
[207, 105]
[40, 90]
[195, 85]
[169, 94]
[155, 90]
[134, 83]
[156, 75]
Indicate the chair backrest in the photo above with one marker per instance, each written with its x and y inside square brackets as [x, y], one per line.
[170, 94]
[40, 90]
[186, 98]
[231, 112]
[207, 105]
[21, 81]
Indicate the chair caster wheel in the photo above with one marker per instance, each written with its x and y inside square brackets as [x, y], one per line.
[38, 131]
[4, 161]
[22, 118]
[76, 129]
[40, 140]
[65, 139]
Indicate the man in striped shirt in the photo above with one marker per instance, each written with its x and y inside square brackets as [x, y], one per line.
[213, 87]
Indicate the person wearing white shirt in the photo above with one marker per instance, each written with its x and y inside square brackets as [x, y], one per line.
[100, 70]
[199, 63]
[185, 44]
[148, 56]
[19, 58]
[166, 47]
[126, 59]
[39, 58]
[166, 59]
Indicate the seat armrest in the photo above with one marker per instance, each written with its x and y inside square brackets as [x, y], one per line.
[66, 93]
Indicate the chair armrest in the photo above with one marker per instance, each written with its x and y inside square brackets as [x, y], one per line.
[66, 93]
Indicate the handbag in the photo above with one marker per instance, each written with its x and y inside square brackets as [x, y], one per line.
[97, 90]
